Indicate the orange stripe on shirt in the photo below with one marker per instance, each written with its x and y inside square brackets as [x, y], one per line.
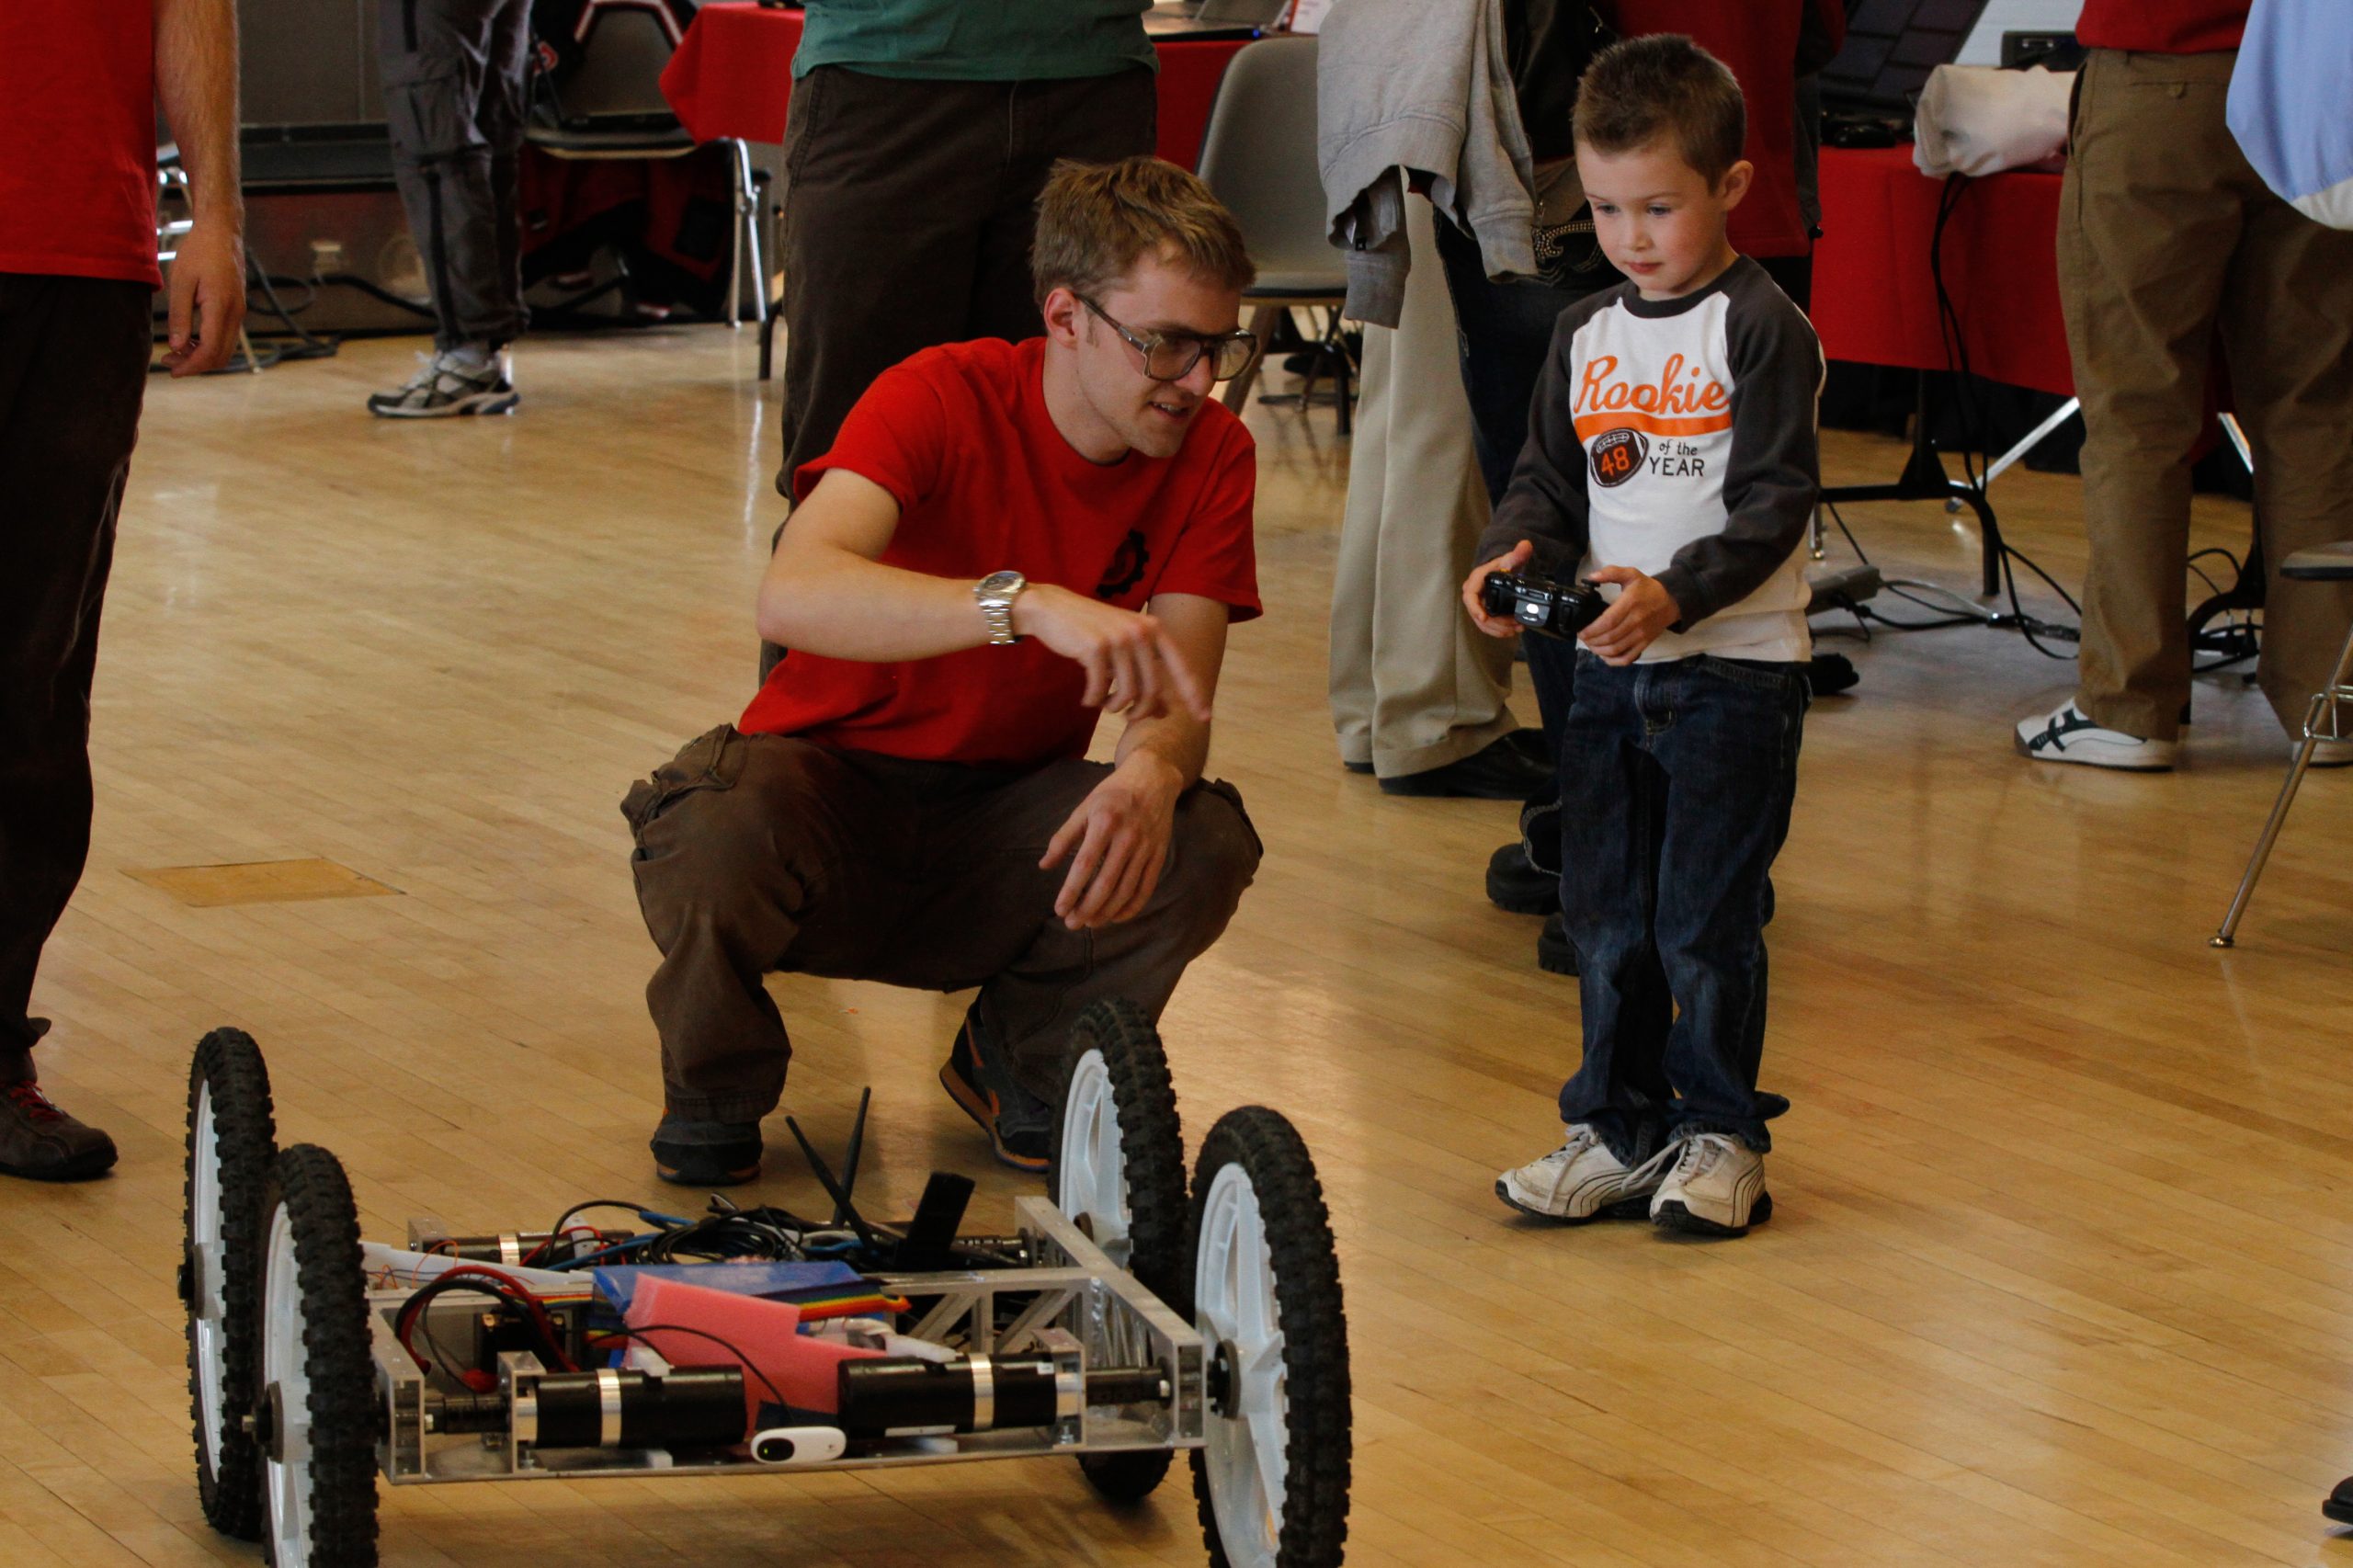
[1592, 424]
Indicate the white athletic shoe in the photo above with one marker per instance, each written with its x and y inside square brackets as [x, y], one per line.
[1582, 1180]
[1716, 1188]
[449, 385]
[2066, 733]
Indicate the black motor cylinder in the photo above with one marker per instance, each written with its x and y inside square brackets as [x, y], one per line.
[902, 1396]
[687, 1407]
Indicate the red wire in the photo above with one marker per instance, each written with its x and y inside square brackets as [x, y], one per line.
[510, 1290]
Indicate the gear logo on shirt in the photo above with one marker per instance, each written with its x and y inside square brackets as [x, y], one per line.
[1616, 455]
[1127, 567]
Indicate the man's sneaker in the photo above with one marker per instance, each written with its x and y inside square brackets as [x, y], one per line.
[978, 1077]
[40, 1141]
[1582, 1180]
[1525, 877]
[2066, 733]
[1716, 1188]
[448, 385]
[706, 1154]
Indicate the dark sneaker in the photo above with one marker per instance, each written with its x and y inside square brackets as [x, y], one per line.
[1504, 769]
[40, 1141]
[1553, 953]
[1525, 877]
[706, 1154]
[447, 387]
[978, 1077]
[1528, 741]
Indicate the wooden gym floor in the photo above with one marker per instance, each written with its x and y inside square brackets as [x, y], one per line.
[2061, 1267]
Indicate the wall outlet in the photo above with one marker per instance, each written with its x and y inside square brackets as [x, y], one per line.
[327, 258]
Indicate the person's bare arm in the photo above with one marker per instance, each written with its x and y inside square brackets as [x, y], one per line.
[196, 77]
[827, 592]
[1118, 839]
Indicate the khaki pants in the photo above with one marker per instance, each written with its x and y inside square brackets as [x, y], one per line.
[768, 852]
[2168, 240]
[1414, 686]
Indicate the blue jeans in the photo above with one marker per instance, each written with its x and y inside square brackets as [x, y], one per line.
[1677, 782]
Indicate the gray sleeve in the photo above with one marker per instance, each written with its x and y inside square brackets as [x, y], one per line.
[1775, 473]
[1545, 503]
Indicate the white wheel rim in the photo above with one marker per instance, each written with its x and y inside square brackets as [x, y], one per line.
[209, 1321]
[287, 1477]
[1235, 1306]
[1092, 1180]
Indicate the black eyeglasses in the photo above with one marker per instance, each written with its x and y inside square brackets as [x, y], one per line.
[1170, 356]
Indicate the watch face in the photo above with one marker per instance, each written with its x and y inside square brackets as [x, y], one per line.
[997, 583]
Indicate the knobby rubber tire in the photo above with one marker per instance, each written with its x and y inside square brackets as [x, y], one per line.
[309, 1183]
[1305, 1264]
[1152, 1155]
[244, 1132]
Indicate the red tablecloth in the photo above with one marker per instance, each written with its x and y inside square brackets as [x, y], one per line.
[1874, 300]
[733, 76]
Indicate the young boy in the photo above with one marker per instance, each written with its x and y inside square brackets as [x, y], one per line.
[1670, 458]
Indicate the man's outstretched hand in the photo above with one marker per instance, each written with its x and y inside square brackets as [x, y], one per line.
[1132, 665]
[1117, 843]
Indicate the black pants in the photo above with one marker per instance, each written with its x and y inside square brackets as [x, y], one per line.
[73, 369]
[908, 215]
[454, 73]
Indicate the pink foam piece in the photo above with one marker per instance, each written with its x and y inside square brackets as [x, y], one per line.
[768, 1333]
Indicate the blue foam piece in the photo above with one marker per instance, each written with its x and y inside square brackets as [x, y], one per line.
[770, 1282]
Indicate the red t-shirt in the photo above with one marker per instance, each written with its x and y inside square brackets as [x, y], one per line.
[2163, 27]
[959, 437]
[77, 139]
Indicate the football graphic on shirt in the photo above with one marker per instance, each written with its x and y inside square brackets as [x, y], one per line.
[1617, 455]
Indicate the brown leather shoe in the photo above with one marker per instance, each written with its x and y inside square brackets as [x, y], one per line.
[40, 1141]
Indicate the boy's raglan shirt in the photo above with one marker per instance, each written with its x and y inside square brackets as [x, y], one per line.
[1677, 437]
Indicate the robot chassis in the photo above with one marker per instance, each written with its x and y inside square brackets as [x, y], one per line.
[1120, 1324]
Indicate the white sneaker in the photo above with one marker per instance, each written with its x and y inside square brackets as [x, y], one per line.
[1582, 1180]
[449, 384]
[2066, 733]
[1716, 1188]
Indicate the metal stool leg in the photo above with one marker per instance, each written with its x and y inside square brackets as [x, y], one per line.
[2320, 722]
[747, 241]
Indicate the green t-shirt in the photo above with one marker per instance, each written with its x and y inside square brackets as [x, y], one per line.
[976, 40]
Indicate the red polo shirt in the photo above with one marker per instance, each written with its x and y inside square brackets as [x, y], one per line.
[2163, 27]
[961, 437]
[77, 139]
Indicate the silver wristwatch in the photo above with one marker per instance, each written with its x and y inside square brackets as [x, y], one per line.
[995, 593]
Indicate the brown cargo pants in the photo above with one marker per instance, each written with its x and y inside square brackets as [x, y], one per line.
[2168, 239]
[768, 852]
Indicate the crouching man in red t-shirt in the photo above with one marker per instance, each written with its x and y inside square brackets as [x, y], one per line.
[1005, 539]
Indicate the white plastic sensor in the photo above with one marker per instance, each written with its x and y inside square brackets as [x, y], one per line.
[795, 1447]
